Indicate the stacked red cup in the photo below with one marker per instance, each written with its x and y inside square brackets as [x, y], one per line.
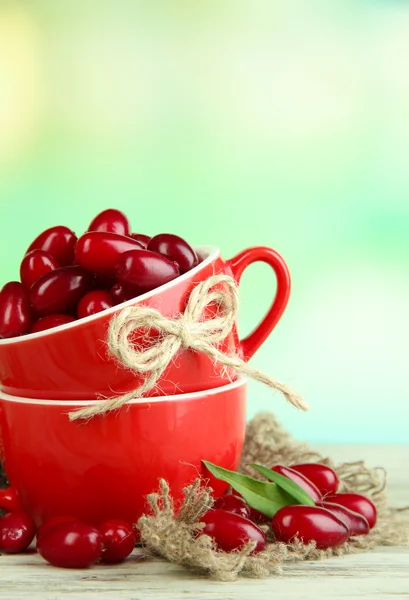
[55, 359]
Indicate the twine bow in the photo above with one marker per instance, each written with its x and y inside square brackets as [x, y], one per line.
[189, 330]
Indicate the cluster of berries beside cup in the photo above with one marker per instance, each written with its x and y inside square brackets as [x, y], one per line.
[332, 521]
[63, 278]
[67, 542]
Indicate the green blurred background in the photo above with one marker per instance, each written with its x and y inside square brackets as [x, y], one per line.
[234, 123]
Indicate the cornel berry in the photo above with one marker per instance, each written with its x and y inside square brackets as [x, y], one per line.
[17, 531]
[141, 238]
[174, 248]
[111, 221]
[99, 252]
[118, 540]
[358, 503]
[309, 524]
[94, 302]
[235, 504]
[51, 321]
[143, 270]
[15, 310]
[57, 241]
[300, 480]
[70, 544]
[325, 478]
[52, 522]
[231, 531]
[64, 278]
[118, 294]
[356, 523]
[35, 264]
[60, 290]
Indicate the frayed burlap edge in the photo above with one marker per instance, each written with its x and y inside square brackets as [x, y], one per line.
[175, 535]
[177, 538]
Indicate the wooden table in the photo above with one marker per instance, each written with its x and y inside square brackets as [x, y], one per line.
[378, 574]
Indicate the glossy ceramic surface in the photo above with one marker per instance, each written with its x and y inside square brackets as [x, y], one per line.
[73, 362]
[104, 468]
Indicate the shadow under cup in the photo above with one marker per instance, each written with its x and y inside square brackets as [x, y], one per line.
[103, 468]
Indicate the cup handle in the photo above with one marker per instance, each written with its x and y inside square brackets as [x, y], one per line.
[9, 500]
[251, 343]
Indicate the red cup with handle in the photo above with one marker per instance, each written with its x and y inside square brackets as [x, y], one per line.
[72, 361]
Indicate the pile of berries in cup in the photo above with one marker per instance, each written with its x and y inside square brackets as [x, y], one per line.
[63, 278]
[332, 521]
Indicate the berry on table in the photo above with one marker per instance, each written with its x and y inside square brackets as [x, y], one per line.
[118, 540]
[17, 531]
[309, 524]
[231, 531]
[70, 544]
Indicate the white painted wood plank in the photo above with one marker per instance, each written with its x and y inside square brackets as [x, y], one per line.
[380, 574]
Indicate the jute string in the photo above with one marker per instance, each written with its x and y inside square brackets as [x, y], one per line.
[175, 533]
[189, 330]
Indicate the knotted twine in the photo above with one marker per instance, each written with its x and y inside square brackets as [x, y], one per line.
[175, 534]
[189, 330]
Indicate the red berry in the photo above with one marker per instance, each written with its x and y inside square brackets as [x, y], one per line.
[234, 504]
[322, 476]
[34, 265]
[52, 522]
[175, 249]
[300, 479]
[356, 523]
[51, 321]
[60, 291]
[255, 515]
[309, 524]
[93, 302]
[17, 531]
[141, 238]
[110, 221]
[10, 502]
[118, 540]
[58, 241]
[231, 531]
[258, 517]
[119, 294]
[104, 282]
[357, 503]
[142, 270]
[15, 311]
[98, 251]
[71, 544]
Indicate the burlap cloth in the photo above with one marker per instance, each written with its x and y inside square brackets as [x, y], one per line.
[173, 533]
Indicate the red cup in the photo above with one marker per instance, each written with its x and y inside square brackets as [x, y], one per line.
[104, 468]
[73, 362]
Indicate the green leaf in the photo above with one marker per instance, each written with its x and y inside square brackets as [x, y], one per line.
[289, 486]
[266, 497]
